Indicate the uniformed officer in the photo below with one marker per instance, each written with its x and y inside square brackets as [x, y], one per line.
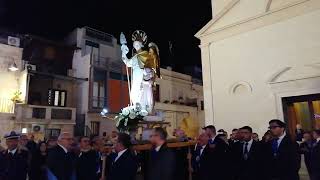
[14, 160]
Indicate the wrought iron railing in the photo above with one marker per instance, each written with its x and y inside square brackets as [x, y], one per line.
[98, 102]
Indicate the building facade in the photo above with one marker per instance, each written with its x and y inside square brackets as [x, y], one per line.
[179, 100]
[99, 60]
[39, 97]
[260, 60]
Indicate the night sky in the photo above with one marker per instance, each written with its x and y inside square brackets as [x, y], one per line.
[163, 21]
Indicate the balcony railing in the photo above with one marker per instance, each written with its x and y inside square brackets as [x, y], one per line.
[99, 35]
[98, 102]
[25, 112]
[6, 106]
[107, 62]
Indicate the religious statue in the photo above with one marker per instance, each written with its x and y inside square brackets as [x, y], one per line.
[145, 68]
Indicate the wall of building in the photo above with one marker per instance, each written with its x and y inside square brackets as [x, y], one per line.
[243, 65]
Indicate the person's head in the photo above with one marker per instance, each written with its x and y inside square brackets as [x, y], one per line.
[203, 139]
[277, 127]
[158, 136]
[32, 138]
[114, 134]
[298, 126]
[137, 45]
[23, 140]
[223, 137]
[316, 134]
[84, 143]
[12, 140]
[267, 136]
[210, 130]
[234, 134]
[255, 137]
[52, 142]
[42, 147]
[246, 133]
[123, 142]
[97, 143]
[65, 139]
[307, 136]
[104, 134]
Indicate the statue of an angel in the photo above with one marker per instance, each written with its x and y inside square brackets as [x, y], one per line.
[145, 68]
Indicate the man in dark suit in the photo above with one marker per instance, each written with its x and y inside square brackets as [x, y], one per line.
[125, 164]
[13, 161]
[60, 161]
[283, 154]
[247, 157]
[202, 159]
[87, 161]
[306, 149]
[234, 137]
[315, 157]
[220, 155]
[161, 162]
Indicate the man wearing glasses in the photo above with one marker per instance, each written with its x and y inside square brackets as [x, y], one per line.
[60, 160]
[283, 154]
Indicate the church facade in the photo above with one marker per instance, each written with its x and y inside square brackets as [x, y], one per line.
[260, 61]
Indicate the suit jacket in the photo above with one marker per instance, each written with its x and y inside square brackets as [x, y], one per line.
[250, 169]
[86, 165]
[14, 167]
[161, 164]
[125, 168]
[285, 164]
[315, 160]
[220, 159]
[61, 164]
[305, 148]
[202, 165]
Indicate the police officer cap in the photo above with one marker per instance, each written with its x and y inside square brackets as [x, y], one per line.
[12, 135]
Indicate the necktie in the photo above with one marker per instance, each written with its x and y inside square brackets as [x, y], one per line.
[275, 146]
[245, 151]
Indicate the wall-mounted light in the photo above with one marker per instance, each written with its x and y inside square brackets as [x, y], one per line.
[24, 131]
[104, 112]
[13, 66]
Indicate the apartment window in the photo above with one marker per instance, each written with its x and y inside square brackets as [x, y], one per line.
[99, 88]
[57, 97]
[95, 128]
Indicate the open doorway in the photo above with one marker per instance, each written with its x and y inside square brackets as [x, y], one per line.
[304, 110]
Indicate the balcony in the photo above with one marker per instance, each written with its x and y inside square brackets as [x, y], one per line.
[45, 114]
[98, 103]
[6, 106]
[107, 63]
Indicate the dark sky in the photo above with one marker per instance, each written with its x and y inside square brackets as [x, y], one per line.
[162, 20]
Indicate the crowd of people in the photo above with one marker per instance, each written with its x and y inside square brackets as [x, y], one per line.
[212, 157]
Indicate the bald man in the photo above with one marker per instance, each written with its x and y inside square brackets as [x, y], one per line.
[60, 160]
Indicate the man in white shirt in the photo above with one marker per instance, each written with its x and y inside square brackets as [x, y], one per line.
[13, 161]
[247, 157]
[283, 155]
[60, 161]
[125, 165]
[161, 163]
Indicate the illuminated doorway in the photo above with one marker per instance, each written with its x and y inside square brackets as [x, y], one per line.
[304, 110]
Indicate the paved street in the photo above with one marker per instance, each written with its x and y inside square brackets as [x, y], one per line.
[303, 171]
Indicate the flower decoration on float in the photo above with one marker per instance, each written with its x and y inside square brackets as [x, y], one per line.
[129, 117]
